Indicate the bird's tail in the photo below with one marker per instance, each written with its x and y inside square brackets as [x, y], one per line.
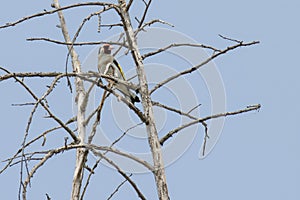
[134, 98]
[129, 95]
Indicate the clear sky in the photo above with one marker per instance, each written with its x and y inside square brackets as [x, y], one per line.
[257, 156]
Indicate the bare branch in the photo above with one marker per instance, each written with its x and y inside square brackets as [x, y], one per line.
[44, 106]
[120, 97]
[28, 74]
[171, 133]
[35, 168]
[187, 114]
[97, 121]
[129, 5]
[196, 67]
[89, 178]
[76, 43]
[173, 110]
[111, 25]
[230, 39]
[93, 148]
[146, 115]
[84, 76]
[156, 21]
[122, 173]
[191, 110]
[103, 148]
[28, 127]
[145, 13]
[159, 172]
[22, 104]
[9, 24]
[67, 38]
[81, 101]
[179, 45]
[98, 161]
[73, 74]
[150, 23]
[118, 187]
[206, 137]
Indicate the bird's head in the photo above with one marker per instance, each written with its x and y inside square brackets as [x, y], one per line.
[107, 48]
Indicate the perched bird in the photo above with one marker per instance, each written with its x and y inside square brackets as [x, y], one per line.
[109, 66]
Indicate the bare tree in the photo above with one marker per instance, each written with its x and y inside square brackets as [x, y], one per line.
[81, 138]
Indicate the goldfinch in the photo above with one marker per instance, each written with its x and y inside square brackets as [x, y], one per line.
[109, 66]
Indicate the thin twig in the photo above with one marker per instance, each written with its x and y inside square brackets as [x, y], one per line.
[191, 110]
[84, 76]
[179, 45]
[44, 106]
[93, 148]
[230, 39]
[28, 127]
[98, 117]
[152, 22]
[117, 188]
[22, 104]
[145, 13]
[196, 67]
[75, 43]
[173, 110]
[70, 47]
[187, 114]
[129, 5]
[137, 190]
[10, 160]
[174, 131]
[111, 25]
[98, 161]
[9, 24]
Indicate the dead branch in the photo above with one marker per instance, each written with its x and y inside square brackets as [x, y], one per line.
[159, 172]
[196, 67]
[145, 13]
[230, 39]
[10, 160]
[121, 153]
[70, 47]
[28, 127]
[98, 117]
[129, 5]
[82, 98]
[171, 133]
[74, 137]
[81, 101]
[151, 23]
[85, 77]
[137, 190]
[98, 161]
[9, 24]
[35, 168]
[179, 45]
[75, 43]
[117, 188]
[180, 112]
[93, 148]
[186, 114]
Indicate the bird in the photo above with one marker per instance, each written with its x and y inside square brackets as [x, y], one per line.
[108, 65]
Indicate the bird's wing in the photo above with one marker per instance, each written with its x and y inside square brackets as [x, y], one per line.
[115, 62]
[106, 68]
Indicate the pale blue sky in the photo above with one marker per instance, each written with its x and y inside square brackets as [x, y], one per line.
[257, 156]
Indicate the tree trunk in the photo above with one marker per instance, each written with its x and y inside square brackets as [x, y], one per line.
[81, 101]
[159, 171]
